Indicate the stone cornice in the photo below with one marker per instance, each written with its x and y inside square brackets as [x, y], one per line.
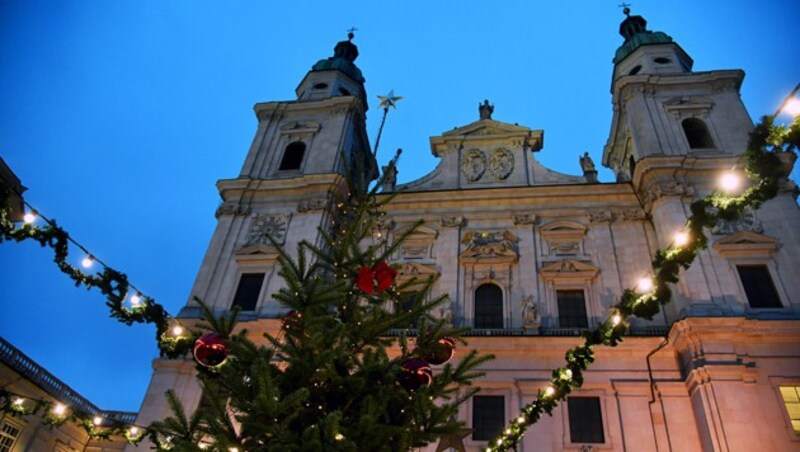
[730, 79]
[337, 103]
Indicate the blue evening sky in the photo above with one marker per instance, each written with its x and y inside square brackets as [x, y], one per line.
[120, 116]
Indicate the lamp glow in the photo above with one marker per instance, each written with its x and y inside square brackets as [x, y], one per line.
[681, 238]
[645, 284]
[19, 401]
[338, 437]
[59, 409]
[177, 330]
[29, 217]
[97, 420]
[134, 430]
[520, 420]
[615, 319]
[549, 391]
[729, 182]
[792, 107]
[568, 373]
[88, 261]
[135, 299]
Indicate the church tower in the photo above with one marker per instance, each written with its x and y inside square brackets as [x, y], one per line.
[301, 150]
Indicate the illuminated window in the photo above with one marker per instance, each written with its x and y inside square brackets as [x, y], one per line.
[488, 306]
[791, 398]
[488, 417]
[8, 436]
[585, 420]
[247, 293]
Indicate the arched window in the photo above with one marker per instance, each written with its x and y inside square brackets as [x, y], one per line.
[293, 156]
[697, 133]
[488, 306]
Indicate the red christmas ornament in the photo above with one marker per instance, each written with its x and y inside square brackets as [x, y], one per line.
[210, 350]
[415, 373]
[366, 279]
[441, 352]
[381, 273]
[292, 321]
[384, 275]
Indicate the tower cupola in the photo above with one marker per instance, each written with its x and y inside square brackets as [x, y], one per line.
[335, 76]
[647, 52]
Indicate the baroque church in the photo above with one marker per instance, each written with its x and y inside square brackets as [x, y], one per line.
[530, 257]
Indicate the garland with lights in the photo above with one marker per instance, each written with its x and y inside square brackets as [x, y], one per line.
[56, 414]
[765, 170]
[112, 284]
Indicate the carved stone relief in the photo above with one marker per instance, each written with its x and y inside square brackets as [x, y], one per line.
[310, 205]
[563, 238]
[531, 319]
[473, 164]
[452, 222]
[263, 226]
[748, 222]
[524, 218]
[231, 208]
[501, 163]
[483, 246]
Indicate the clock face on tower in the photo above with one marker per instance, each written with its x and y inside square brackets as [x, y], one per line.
[264, 226]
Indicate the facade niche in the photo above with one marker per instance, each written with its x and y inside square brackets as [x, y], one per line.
[293, 156]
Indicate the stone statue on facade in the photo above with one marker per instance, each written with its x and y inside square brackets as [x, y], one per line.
[485, 109]
[531, 320]
[589, 170]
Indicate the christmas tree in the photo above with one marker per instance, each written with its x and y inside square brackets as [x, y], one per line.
[335, 377]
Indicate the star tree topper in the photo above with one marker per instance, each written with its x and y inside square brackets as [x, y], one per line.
[388, 100]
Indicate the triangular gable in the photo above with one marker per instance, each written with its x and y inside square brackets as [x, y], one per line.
[414, 270]
[746, 243]
[487, 127]
[569, 269]
[256, 254]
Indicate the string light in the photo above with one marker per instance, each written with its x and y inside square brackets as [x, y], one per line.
[29, 217]
[729, 182]
[88, 261]
[19, 401]
[549, 391]
[616, 319]
[97, 420]
[177, 330]
[681, 238]
[59, 409]
[134, 430]
[338, 437]
[136, 299]
[645, 284]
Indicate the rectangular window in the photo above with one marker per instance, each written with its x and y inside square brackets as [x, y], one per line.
[572, 309]
[758, 286]
[585, 420]
[8, 436]
[247, 293]
[791, 398]
[488, 417]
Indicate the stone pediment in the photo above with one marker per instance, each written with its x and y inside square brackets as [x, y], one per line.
[568, 269]
[487, 132]
[300, 127]
[680, 106]
[256, 254]
[563, 237]
[489, 247]
[418, 244]
[416, 272]
[746, 243]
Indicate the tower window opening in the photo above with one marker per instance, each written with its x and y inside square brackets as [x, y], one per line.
[293, 156]
[697, 133]
[662, 60]
[320, 86]
[635, 70]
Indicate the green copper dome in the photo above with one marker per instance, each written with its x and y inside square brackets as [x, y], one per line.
[634, 30]
[344, 54]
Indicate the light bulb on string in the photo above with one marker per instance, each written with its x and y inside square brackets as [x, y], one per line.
[792, 107]
[616, 319]
[177, 330]
[729, 182]
[87, 261]
[29, 217]
[549, 391]
[681, 238]
[97, 420]
[645, 284]
[59, 409]
[19, 401]
[136, 299]
[134, 430]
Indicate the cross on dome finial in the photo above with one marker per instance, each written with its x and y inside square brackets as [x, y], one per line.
[350, 34]
[625, 9]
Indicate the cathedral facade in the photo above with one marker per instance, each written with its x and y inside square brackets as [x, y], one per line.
[530, 257]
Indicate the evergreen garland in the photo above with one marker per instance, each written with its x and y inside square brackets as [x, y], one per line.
[766, 172]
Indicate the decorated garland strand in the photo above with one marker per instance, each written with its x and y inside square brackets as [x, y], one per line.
[113, 284]
[765, 170]
[56, 414]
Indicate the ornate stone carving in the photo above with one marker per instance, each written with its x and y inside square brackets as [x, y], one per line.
[263, 226]
[748, 222]
[531, 319]
[452, 222]
[563, 237]
[568, 270]
[310, 205]
[485, 110]
[587, 164]
[600, 216]
[489, 246]
[231, 208]
[501, 163]
[524, 218]
[631, 214]
[659, 189]
[473, 164]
